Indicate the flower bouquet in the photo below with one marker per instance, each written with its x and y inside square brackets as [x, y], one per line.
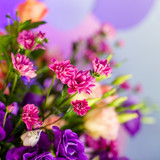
[57, 110]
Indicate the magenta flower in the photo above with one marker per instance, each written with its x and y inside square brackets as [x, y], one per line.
[81, 81]
[63, 70]
[22, 64]
[26, 39]
[41, 36]
[125, 85]
[101, 67]
[30, 116]
[80, 106]
[10, 108]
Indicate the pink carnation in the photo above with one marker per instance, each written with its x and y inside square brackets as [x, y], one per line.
[81, 81]
[30, 116]
[10, 108]
[22, 64]
[80, 106]
[101, 67]
[41, 36]
[26, 39]
[63, 70]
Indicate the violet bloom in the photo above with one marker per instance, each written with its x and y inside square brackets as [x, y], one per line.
[63, 70]
[80, 106]
[133, 126]
[26, 39]
[4, 132]
[82, 81]
[101, 67]
[30, 116]
[68, 145]
[38, 152]
[22, 64]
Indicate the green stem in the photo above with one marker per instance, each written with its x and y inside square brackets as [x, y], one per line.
[19, 122]
[14, 85]
[66, 102]
[5, 118]
[42, 70]
[6, 78]
[49, 90]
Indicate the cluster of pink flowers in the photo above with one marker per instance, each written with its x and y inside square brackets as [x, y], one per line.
[30, 116]
[22, 64]
[80, 106]
[101, 67]
[77, 81]
[31, 41]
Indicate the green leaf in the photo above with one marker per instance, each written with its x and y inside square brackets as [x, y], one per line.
[2, 57]
[2, 97]
[125, 117]
[136, 106]
[121, 79]
[4, 41]
[34, 25]
[35, 89]
[109, 58]
[109, 93]
[102, 77]
[24, 25]
[148, 120]
[117, 102]
[93, 101]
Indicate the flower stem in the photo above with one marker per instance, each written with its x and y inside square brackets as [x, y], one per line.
[49, 90]
[14, 85]
[6, 79]
[5, 118]
[66, 102]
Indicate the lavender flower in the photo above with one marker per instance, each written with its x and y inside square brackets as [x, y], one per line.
[68, 145]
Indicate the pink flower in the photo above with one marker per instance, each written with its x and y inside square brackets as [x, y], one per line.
[63, 70]
[26, 39]
[41, 36]
[30, 116]
[10, 108]
[126, 85]
[109, 31]
[81, 81]
[120, 43]
[80, 106]
[101, 67]
[22, 64]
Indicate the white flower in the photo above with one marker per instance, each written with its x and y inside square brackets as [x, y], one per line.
[31, 138]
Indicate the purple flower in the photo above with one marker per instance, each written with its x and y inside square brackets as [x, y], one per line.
[133, 126]
[26, 39]
[82, 81]
[31, 98]
[101, 67]
[126, 86]
[39, 152]
[68, 145]
[2, 133]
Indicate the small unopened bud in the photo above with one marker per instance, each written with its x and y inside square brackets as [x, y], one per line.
[10, 108]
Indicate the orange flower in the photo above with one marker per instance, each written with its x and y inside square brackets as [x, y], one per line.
[32, 9]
